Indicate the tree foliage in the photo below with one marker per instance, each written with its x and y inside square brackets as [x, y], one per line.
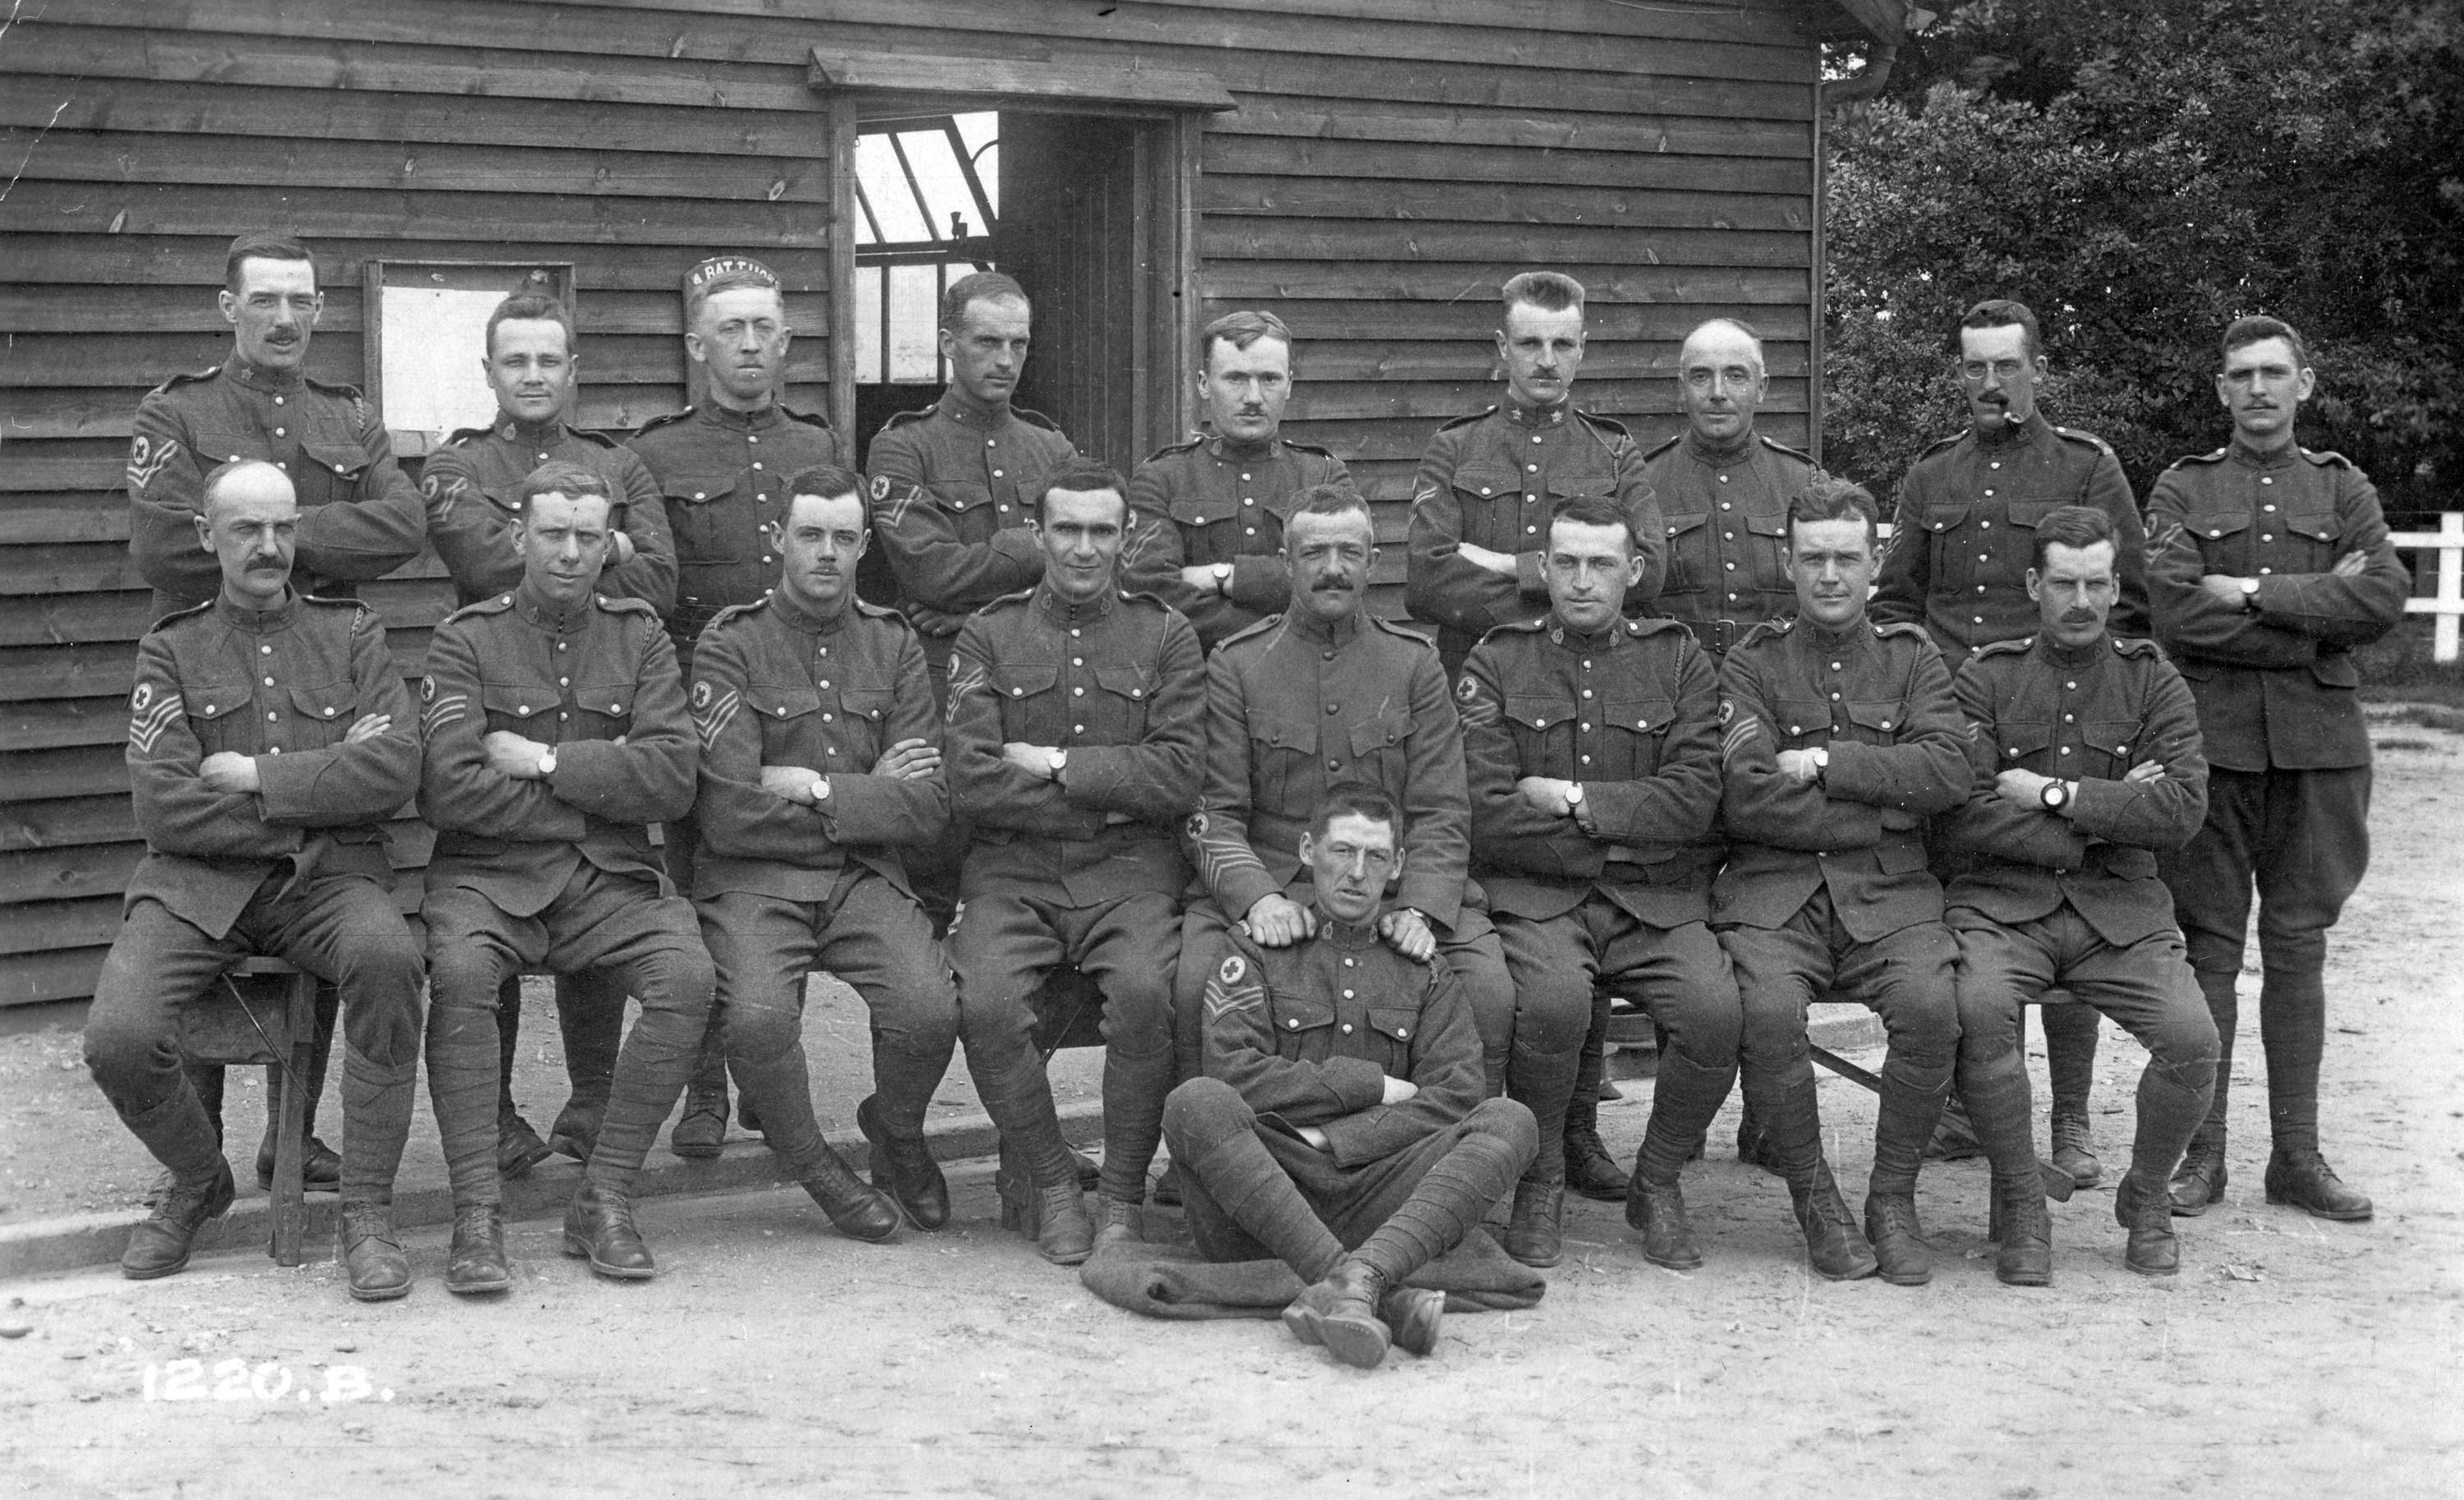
[2141, 172]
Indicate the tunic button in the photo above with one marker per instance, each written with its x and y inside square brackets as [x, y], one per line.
[1886, 724]
[1077, 729]
[1079, 693]
[757, 465]
[1587, 693]
[1985, 525]
[1731, 566]
[329, 712]
[2264, 537]
[1835, 666]
[825, 719]
[564, 682]
[1330, 708]
[823, 683]
[1724, 479]
[265, 651]
[1484, 489]
[1726, 506]
[1980, 588]
[2066, 749]
[1347, 1026]
[2263, 479]
[277, 401]
[1400, 1033]
[1077, 661]
[1587, 759]
[1018, 692]
[521, 708]
[1248, 500]
[1138, 692]
[269, 683]
[1326, 656]
[280, 432]
[1249, 531]
[749, 439]
[1334, 766]
[1835, 698]
[996, 473]
[2269, 508]
[1244, 478]
[1976, 619]
[269, 719]
[1728, 536]
[561, 716]
[1346, 994]
[1989, 495]
[2066, 718]
[277, 750]
[1349, 962]
[559, 646]
[1292, 1025]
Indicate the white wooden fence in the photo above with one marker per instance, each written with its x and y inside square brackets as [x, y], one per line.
[2448, 602]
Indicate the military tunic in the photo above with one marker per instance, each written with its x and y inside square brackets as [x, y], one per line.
[474, 488]
[1726, 510]
[556, 871]
[296, 869]
[1307, 1036]
[1490, 480]
[724, 473]
[359, 517]
[1965, 532]
[1214, 502]
[785, 887]
[953, 487]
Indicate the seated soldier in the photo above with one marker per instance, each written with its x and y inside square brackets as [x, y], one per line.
[1340, 1126]
[268, 740]
[1840, 739]
[1074, 746]
[1592, 743]
[2086, 751]
[556, 735]
[821, 762]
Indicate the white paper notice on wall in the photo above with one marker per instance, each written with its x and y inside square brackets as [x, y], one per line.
[431, 372]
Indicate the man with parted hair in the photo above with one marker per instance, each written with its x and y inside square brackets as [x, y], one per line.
[955, 485]
[1958, 563]
[2270, 562]
[1322, 693]
[1481, 500]
[1840, 739]
[1341, 1125]
[474, 490]
[820, 765]
[555, 735]
[1592, 743]
[360, 518]
[268, 740]
[722, 464]
[1073, 742]
[2084, 748]
[1209, 535]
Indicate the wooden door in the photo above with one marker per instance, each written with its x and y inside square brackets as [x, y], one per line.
[1074, 223]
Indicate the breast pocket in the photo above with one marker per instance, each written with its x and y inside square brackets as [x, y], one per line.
[528, 709]
[971, 511]
[1487, 495]
[1304, 1026]
[1802, 724]
[2109, 743]
[1379, 748]
[1876, 722]
[1119, 705]
[2308, 544]
[1396, 1025]
[1954, 550]
[1029, 704]
[789, 715]
[1768, 555]
[1632, 733]
[2224, 541]
[1692, 560]
[323, 716]
[701, 511]
[218, 716]
[2020, 742]
[330, 470]
[864, 717]
[602, 711]
[1280, 748]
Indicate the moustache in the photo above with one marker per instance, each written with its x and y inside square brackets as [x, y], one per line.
[1338, 583]
[2078, 617]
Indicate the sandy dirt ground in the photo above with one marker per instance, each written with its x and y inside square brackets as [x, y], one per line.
[2290, 1358]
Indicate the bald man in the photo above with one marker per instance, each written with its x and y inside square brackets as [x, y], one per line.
[269, 738]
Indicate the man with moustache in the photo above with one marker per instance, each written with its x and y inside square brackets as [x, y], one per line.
[473, 486]
[555, 734]
[359, 516]
[2270, 562]
[1841, 739]
[1329, 692]
[1592, 743]
[722, 465]
[2086, 753]
[268, 740]
[1958, 562]
[1481, 500]
[1074, 738]
[1340, 1126]
[820, 765]
[1208, 538]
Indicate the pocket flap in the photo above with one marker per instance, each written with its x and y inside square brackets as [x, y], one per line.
[330, 703]
[1128, 681]
[1018, 679]
[605, 697]
[214, 700]
[776, 701]
[2112, 736]
[2022, 738]
[961, 496]
[699, 488]
[519, 700]
[1887, 716]
[1301, 1013]
[2318, 528]
[1284, 731]
[1768, 525]
[1203, 510]
[1487, 479]
[346, 460]
[2219, 525]
[1943, 518]
[1386, 729]
[868, 703]
[2336, 669]
[1537, 713]
[2027, 513]
[1643, 716]
[1394, 1020]
[1679, 525]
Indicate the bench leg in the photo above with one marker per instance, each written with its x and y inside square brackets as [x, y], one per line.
[290, 1145]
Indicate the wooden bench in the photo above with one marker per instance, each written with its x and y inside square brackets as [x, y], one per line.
[232, 1025]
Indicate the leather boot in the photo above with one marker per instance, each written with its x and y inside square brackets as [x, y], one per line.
[905, 1169]
[702, 1129]
[858, 1211]
[476, 1263]
[599, 1226]
[1900, 1251]
[321, 1166]
[518, 1147]
[577, 1129]
[1656, 1211]
[1536, 1235]
[1590, 1169]
[2304, 1179]
[2024, 1231]
[1833, 1246]
[160, 1245]
[2199, 1181]
[2141, 1208]
[1411, 1315]
[1122, 1222]
[1088, 1171]
[1051, 1214]
[1341, 1312]
[1038, 1180]
[1753, 1147]
[372, 1257]
[2070, 1149]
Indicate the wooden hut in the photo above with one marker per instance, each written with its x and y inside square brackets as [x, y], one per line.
[1369, 169]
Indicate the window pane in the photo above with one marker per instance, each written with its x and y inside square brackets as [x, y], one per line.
[868, 325]
[885, 187]
[914, 354]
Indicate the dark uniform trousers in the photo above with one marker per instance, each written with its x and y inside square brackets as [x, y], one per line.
[555, 872]
[1213, 502]
[296, 870]
[786, 887]
[1490, 480]
[1307, 1036]
[2277, 691]
[2071, 897]
[1295, 705]
[1078, 868]
[1826, 887]
[1612, 898]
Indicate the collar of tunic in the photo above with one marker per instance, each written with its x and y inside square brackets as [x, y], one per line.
[731, 420]
[1553, 415]
[1332, 633]
[1062, 612]
[279, 382]
[2068, 656]
[1824, 639]
[1574, 640]
[543, 434]
[2243, 453]
[958, 407]
[549, 615]
[1234, 450]
[2012, 435]
[1720, 455]
[257, 622]
[792, 612]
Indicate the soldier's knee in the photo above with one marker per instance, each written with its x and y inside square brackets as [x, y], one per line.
[1551, 1013]
[463, 975]
[1508, 1121]
[1203, 1112]
[757, 1030]
[119, 1048]
[683, 977]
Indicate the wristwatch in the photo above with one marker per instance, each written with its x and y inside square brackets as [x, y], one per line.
[2055, 796]
[547, 762]
[1059, 760]
[1573, 796]
[1222, 577]
[819, 790]
[2250, 593]
[1821, 757]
